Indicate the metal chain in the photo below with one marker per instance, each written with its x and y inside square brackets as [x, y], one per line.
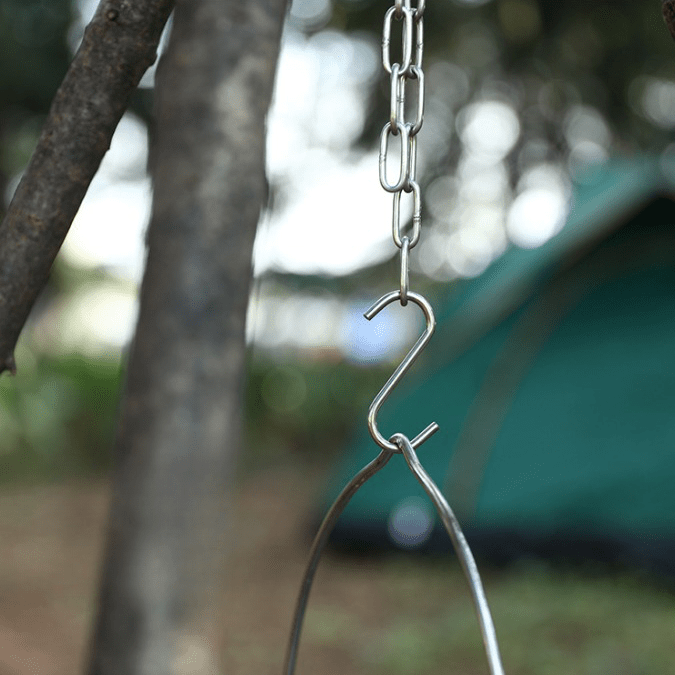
[400, 74]
[408, 71]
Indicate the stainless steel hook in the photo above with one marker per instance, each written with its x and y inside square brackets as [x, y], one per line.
[402, 369]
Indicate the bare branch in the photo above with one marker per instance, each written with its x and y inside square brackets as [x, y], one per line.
[118, 46]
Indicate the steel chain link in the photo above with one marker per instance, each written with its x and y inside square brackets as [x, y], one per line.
[397, 126]
[401, 74]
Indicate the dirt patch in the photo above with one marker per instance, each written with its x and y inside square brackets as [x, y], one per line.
[367, 616]
[51, 540]
[50, 543]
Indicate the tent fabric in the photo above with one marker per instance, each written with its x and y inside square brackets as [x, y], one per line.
[552, 377]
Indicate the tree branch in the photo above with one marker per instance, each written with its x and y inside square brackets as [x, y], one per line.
[118, 46]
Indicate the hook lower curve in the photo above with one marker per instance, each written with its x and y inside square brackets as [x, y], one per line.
[402, 368]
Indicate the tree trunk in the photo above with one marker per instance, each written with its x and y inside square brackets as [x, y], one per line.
[180, 422]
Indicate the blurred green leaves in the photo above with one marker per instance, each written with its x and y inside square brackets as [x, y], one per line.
[33, 51]
[57, 417]
[549, 621]
[34, 56]
[519, 51]
[304, 409]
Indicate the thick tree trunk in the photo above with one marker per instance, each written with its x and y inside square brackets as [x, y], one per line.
[118, 46]
[180, 421]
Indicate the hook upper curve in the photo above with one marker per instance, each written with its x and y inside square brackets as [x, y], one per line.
[401, 369]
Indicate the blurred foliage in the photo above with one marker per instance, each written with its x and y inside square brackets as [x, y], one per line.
[34, 56]
[304, 409]
[57, 417]
[543, 57]
[549, 621]
[34, 51]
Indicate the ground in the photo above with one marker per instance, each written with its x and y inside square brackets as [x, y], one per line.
[368, 616]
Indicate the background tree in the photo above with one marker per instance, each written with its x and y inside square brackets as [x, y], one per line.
[546, 57]
[180, 420]
[179, 430]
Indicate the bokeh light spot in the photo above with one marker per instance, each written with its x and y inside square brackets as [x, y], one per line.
[489, 128]
[411, 523]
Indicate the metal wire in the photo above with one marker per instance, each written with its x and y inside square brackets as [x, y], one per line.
[451, 525]
[462, 550]
[318, 545]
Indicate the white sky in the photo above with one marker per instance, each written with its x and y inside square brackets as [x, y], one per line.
[335, 217]
[332, 216]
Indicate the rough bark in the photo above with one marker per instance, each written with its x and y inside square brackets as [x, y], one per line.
[180, 421]
[118, 46]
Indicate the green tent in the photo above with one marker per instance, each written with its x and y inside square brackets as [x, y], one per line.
[552, 377]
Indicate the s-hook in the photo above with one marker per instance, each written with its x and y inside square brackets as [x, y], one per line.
[402, 369]
[399, 443]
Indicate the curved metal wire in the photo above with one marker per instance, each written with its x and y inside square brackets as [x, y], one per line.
[462, 550]
[318, 546]
[451, 525]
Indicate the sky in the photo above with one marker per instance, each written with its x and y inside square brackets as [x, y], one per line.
[326, 185]
[332, 216]
[317, 114]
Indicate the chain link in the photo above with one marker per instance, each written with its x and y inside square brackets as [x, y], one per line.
[416, 219]
[405, 270]
[400, 74]
[404, 165]
[406, 37]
